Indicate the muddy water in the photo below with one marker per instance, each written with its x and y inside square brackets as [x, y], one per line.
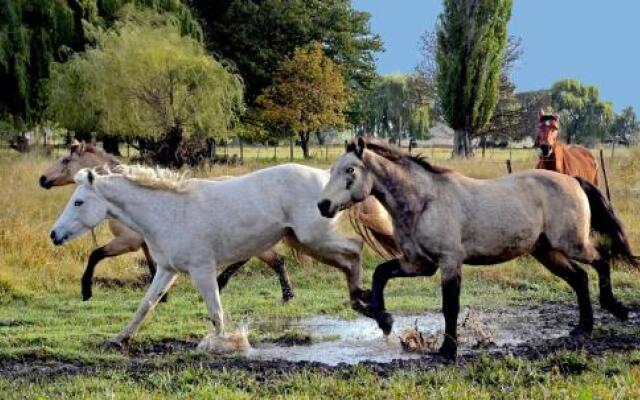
[336, 341]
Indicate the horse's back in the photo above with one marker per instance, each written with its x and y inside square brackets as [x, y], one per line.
[579, 161]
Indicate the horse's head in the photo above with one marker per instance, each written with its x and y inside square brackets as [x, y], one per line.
[547, 135]
[350, 181]
[85, 209]
[81, 155]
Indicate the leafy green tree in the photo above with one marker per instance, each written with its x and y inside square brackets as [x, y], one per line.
[308, 94]
[471, 42]
[150, 83]
[584, 117]
[397, 105]
[35, 33]
[625, 124]
[258, 34]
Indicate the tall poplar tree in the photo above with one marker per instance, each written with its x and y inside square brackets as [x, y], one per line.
[472, 37]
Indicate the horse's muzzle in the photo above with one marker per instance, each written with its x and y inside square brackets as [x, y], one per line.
[545, 149]
[55, 239]
[325, 208]
[45, 183]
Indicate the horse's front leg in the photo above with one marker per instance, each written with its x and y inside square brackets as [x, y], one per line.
[161, 283]
[204, 278]
[395, 268]
[451, 281]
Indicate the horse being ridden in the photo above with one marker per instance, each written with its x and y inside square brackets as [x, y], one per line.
[444, 219]
[196, 226]
[570, 160]
[84, 155]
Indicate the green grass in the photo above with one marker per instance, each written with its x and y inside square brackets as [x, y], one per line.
[44, 322]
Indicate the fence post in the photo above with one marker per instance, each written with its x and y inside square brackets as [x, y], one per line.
[326, 151]
[241, 150]
[604, 174]
[509, 166]
[290, 149]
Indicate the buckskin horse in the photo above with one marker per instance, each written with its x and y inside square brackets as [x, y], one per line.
[566, 159]
[443, 219]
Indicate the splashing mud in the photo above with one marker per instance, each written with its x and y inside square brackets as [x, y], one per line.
[357, 340]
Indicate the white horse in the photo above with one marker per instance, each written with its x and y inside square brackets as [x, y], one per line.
[195, 226]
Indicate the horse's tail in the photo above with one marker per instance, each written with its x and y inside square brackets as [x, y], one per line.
[605, 222]
[372, 222]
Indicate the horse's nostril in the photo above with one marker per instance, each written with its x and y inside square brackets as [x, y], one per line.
[52, 235]
[324, 206]
[43, 181]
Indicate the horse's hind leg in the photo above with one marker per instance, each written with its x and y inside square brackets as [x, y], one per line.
[276, 262]
[576, 277]
[224, 276]
[338, 251]
[607, 299]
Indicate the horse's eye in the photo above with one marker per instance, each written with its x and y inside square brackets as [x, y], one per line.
[349, 170]
[78, 203]
[65, 161]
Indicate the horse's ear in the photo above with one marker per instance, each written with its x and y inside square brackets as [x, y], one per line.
[82, 147]
[540, 113]
[350, 147]
[74, 146]
[84, 176]
[360, 147]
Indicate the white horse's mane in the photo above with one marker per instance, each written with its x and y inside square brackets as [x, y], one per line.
[153, 178]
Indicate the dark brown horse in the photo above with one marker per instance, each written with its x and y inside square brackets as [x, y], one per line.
[570, 160]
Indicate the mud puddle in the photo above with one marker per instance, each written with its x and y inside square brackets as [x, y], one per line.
[335, 341]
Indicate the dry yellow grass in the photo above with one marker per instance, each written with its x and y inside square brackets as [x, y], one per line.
[29, 262]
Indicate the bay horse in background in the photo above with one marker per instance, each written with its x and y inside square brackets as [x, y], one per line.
[84, 155]
[566, 159]
[443, 219]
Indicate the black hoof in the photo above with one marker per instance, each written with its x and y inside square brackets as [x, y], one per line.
[286, 296]
[86, 296]
[449, 349]
[385, 322]
[580, 331]
[619, 311]
[164, 298]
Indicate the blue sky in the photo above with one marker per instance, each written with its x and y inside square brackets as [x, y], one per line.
[596, 42]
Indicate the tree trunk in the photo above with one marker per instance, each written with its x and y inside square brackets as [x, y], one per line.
[320, 136]
[304, 144]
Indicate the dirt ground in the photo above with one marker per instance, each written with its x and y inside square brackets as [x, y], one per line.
[541, 336]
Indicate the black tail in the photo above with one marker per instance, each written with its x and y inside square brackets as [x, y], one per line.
[605, 222]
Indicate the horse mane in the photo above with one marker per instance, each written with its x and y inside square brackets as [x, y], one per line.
[154, 178]
[98, 151]
[398, 156]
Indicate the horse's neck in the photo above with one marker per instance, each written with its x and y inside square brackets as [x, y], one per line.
[134, 206]
[394, 187]
[98, 161]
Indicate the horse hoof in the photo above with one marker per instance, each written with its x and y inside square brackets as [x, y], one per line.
[287, 296]
[580, 331]
[621, 312]
[114, 344]
[448, 350]
[385, 322]
[86, 296]
[164, 298]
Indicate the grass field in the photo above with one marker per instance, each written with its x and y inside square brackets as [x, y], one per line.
[47, 329]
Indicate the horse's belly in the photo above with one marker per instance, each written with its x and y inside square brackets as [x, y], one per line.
[237, 245]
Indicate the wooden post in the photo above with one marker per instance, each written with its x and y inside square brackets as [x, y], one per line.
[326, 152]
[604, 174]
[241, 150]
[290, 149]
[509, 166]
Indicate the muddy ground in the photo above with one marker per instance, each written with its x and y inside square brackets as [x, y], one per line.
[538, 331]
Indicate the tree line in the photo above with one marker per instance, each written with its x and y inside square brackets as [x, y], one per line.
[173, 77]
